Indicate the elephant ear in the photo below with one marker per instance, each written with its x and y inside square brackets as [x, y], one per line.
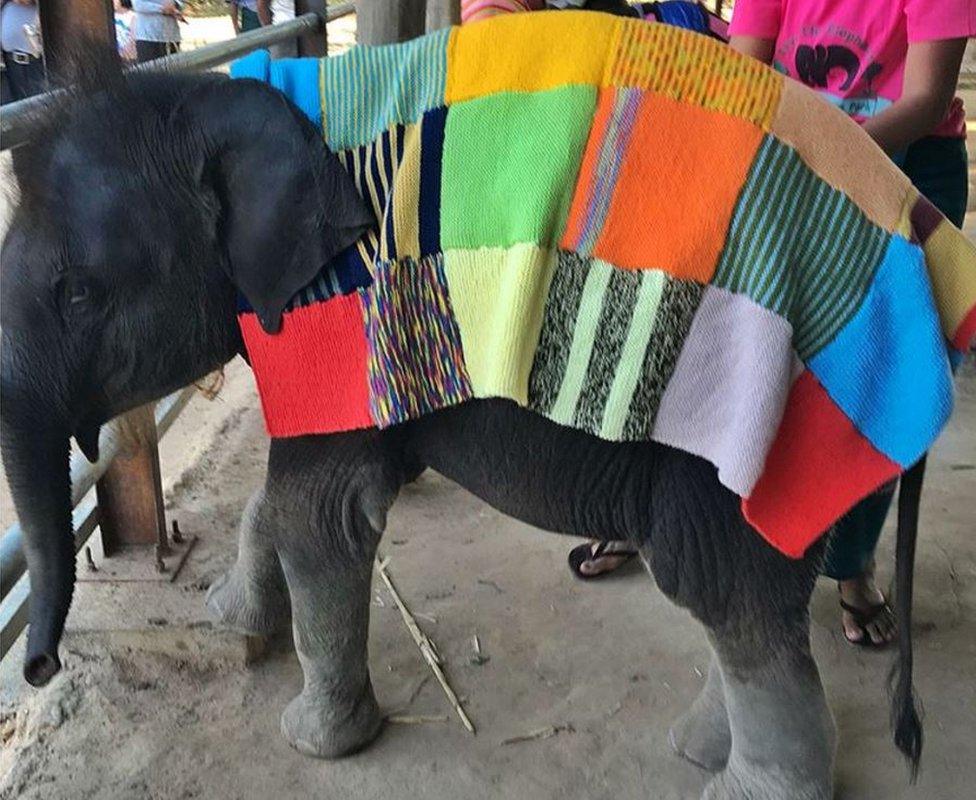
[286, 205]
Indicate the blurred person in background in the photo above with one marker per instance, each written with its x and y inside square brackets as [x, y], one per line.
[125, 39]
[157, 28]
[23, 62]
[892, 66]
[249, 15]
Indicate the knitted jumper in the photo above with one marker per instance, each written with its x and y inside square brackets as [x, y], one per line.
[633, 231]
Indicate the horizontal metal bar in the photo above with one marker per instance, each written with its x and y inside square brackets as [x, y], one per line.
[221, 52]
[17, 118]
[84, 476]
[13, 610]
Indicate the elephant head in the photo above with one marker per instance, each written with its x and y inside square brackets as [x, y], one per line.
[147, 204]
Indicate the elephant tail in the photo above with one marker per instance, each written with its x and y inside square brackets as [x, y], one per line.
[905, 719]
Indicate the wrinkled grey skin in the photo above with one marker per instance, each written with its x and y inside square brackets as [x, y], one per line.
[143, 215]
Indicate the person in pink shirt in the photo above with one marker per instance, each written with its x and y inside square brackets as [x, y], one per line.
[892, 65]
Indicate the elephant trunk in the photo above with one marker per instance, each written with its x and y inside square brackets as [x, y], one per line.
[34, 442]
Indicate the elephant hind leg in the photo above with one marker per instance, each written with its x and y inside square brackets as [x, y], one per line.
[702, 733]
[782, 733]
[763, 683]
[251, 597]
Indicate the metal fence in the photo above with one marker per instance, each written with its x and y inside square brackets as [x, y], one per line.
[15, 124]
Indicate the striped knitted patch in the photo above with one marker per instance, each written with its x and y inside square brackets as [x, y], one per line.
[343, 275]
[395, 84]
[413, 222]
[695, 69]
[374, 167]
[799, 248]
[609, 343]
[675, 312]
[414, 358]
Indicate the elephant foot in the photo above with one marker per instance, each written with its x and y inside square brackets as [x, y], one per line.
[751, 782]
[253, 612]
[702, 733]
[319, 726]
[702, 737]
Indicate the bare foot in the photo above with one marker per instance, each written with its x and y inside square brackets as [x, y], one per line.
[874, 620]
[606, 558]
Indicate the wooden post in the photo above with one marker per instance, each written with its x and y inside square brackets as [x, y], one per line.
[312, 44]
[386, 21]
[67, 24]
[442, 14]
[130, 496]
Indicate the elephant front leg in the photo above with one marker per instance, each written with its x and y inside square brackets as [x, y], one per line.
[783, 735]
[251, 597]
[702, 734]
[336, 712]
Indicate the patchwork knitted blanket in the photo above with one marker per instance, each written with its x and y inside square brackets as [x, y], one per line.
[633, 231]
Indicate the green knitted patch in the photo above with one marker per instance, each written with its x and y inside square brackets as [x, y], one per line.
[510, 165]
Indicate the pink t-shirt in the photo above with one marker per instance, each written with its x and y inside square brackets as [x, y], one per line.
[853, 52]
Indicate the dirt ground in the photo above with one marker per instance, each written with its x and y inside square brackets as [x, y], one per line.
[155, 703]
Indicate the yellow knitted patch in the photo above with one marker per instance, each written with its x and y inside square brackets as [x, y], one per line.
[951, 260]
[904, 226]
[694, 69]
[406, 196]
[498, 296]
[529, 52]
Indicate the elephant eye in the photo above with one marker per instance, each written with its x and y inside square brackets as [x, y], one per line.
[79, 294]
[74, 292]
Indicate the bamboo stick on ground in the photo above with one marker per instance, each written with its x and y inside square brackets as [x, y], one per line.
[426, 645]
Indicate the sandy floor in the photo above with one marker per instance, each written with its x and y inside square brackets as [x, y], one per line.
[155, 703]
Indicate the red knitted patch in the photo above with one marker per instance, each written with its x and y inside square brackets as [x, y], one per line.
[817, 469]
[312, 374]
[966, 333]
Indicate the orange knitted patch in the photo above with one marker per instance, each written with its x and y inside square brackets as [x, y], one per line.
[677, 188]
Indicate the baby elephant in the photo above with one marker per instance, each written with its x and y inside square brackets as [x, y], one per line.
[152, 210]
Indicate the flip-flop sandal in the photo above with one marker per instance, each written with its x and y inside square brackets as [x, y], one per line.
[864, 617]
[586, 552]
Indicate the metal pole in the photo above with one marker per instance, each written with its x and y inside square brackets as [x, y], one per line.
[17, 118]
[442, 14]
[386, 21]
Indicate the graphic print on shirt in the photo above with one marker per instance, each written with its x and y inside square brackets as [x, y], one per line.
[838, 71]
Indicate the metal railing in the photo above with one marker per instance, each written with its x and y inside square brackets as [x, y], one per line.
[15, 125]
[17, 118]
